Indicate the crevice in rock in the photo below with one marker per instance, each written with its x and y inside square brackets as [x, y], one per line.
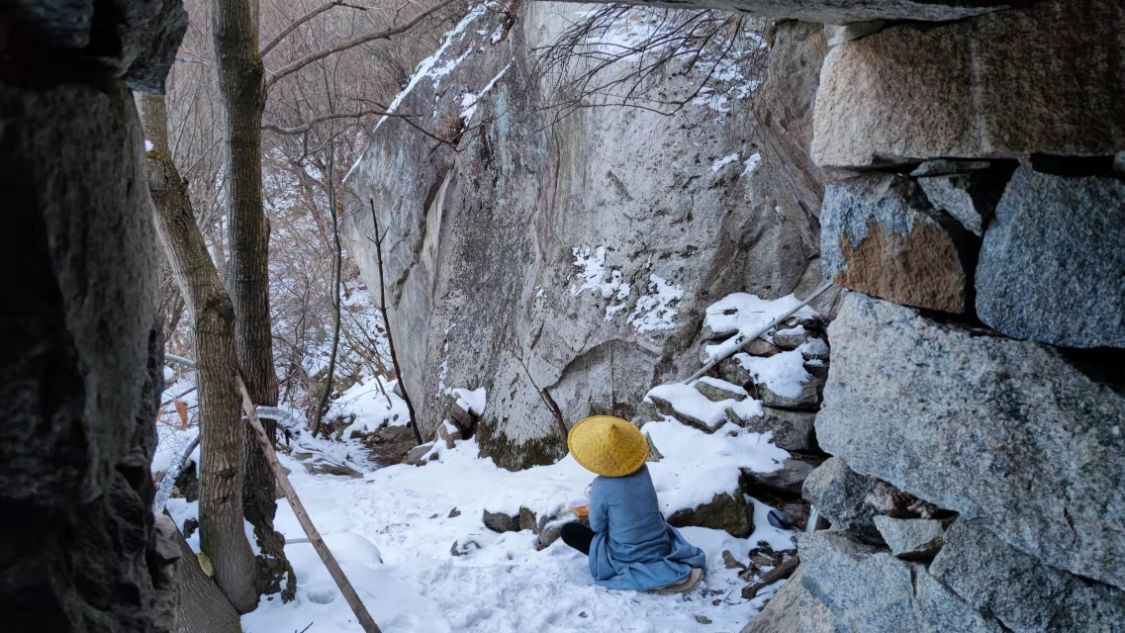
[1074, 166]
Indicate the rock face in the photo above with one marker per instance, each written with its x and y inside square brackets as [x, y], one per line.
[1052, 266]
[990, 419]
[1001, 85]
[911, 538]
[863, 589]
[880, 235]
[81, 374]
[593, 237]
[725, 512]
[846, 11]
[122, 39]
[792, 430]
[1020, 591]
[840, 495]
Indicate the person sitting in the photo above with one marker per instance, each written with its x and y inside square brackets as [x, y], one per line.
[629, 544]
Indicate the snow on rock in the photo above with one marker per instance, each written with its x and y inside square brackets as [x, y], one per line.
[470, 100]
[740, 315]
[654, 310]
[372, 403]
[718, 165]
[752, 163]
[687, 404]
[433, 68]
[783, 373]
[593, 276]
[471, 401]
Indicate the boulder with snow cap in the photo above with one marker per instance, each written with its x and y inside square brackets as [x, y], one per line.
[719, 390]
[686, 404]
[782, 381]
[789, 338]
[417, 455]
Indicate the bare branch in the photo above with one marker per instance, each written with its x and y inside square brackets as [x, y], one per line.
[305, 18]
[354, 42]
[301, 129]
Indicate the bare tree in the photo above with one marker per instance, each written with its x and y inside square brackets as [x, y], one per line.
[616, 55]
[222, 537]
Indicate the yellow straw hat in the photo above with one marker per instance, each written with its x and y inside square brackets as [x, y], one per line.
[607, 445]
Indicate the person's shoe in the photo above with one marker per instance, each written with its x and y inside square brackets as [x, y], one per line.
[685, 585]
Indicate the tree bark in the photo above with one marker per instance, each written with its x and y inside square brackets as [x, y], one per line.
[240, 71]
[202, 607]
[222, 537]
[326, 393]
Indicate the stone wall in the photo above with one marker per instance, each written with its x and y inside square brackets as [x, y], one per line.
[81, 372]
[976, 212]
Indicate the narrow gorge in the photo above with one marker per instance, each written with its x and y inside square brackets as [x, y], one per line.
[955, 168]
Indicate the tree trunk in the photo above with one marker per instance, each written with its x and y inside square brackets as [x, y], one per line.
[235, 29]
[222, 537]
[326, 392]
[202, 607]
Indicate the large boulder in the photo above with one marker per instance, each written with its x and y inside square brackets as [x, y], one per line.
[841, 496]
[911, 538]
[1052, 266]
[726, 511]
[792, 610]
[1020, 591]
[792, 430]
[881, 235]
[1046, 79]
[867, 590]
[122, 39]
[81, 374]
[546, 214]
[1005, 431]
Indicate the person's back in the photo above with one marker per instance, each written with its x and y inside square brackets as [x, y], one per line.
[630, 544]
[630, 506]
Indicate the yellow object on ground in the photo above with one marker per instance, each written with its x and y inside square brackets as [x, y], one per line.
[582, 511]
[607, 445]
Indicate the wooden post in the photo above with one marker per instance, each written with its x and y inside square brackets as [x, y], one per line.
[346, 588]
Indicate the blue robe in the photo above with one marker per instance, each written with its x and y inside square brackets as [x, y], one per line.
[633, 546]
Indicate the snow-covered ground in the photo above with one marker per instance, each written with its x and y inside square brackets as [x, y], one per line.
[393, 531]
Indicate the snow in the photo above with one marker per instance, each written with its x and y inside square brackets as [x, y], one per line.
[687, 401]
[592, 275]
[373, 403]
[723, 162]
[431, 67]
[740, 315]
[752, 163]
[149, 146]
[471, 401]
[814, 347]
[469, 100]
[782, 373]
[654, 310]
[392, 533]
